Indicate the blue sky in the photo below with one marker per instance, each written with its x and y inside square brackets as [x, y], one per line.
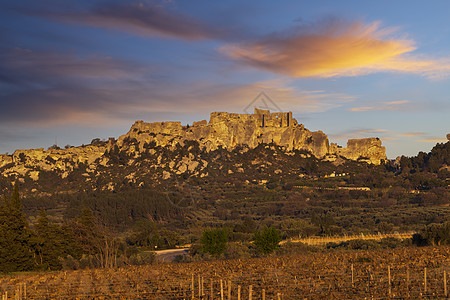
[77, 70]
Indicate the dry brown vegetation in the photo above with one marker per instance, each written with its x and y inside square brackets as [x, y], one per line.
[304, 276]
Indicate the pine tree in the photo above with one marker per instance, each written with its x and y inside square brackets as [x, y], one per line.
[51, 242]
[86, 232]
[15, 251]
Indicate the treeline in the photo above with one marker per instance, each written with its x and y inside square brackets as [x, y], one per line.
[118, 210]
[82, 241]
[23, 249]
[218, 243]
[427, 162]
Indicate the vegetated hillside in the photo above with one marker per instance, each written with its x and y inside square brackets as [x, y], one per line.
[170, 196]
[185, 189]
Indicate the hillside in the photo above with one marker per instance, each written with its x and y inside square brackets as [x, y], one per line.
[117, 198]
[177, 177]
[152, 141]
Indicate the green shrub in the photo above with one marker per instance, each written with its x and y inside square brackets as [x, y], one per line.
[214, 241]
[267, 240]
[433, 234]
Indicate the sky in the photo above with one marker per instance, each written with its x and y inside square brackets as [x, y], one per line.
[72, 71]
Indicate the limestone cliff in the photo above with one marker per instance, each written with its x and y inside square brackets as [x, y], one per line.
[31, 161]
[229, 130]
[368, 150]
[225, 130]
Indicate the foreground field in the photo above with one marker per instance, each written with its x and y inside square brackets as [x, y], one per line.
[417, 273]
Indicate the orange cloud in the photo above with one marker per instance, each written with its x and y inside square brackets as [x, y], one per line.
[366, 108]
[411, 134]
[397, 102]
[392, 105]
[333, 48]
[433, 140]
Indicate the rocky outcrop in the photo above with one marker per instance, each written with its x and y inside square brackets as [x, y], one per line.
[229, 130]
[5, 160]
[225, 130]
[448, 136]
[368, 150]
[30, 161]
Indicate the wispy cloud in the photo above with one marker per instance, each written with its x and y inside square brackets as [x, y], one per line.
[411, 134]
[147, 18]
[396, 102]
[360, 133]
[333, 48]
[26, 62]
[364, 108]
[433, 140]
[392, 105]
[45, 89]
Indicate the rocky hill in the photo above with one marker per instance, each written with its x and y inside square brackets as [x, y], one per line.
[224, 130]
[229, 130]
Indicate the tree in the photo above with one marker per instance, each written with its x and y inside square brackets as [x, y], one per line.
[15, 250]
[145, 234]
[214, 241]
[96, 239]
[433, 234]
[437, 234]
[96, 141]
[86, 233]
[267, 240]
[324, 221]
[51, 242]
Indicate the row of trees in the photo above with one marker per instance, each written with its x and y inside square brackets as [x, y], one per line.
[23, 249]
[47, 245]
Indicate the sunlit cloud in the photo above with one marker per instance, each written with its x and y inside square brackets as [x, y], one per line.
[397, 102]
[334, 48]
[392, 105]
[45, 89]
[206, 97]
[364, 108]
[361, 133]
[411, 134]
[433, 140]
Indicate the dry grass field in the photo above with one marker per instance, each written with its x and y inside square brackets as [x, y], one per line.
[415, 273]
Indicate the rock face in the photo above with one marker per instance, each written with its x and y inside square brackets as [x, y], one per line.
[25, 162]
[225, 130]
[229, 130]
[369, 150]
